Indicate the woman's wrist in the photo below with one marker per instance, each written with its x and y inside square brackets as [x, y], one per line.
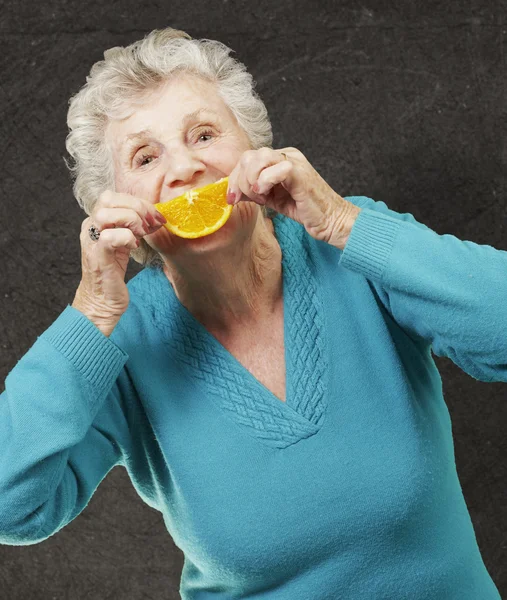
[344, 223]
[103, 321]
[106, 326]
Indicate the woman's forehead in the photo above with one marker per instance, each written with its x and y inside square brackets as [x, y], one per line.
[178, 102]
[184, 94]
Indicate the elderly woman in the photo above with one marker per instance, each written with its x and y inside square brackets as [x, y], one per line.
[270, 387]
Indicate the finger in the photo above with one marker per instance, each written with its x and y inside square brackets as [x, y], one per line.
[145, 209]
[234, 191]
[111, 240]
[251, 170]
[107, 218]
[232, 185]
[262, 159]
[272, 176]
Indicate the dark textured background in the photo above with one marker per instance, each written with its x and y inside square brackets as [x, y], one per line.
[405, 103]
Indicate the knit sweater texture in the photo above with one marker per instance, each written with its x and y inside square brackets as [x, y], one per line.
[348, 490]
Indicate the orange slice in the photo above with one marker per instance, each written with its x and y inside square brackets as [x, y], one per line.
[197, 212]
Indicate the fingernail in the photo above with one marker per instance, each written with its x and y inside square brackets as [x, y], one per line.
[255, 188]
[231, 196]
[160, 218]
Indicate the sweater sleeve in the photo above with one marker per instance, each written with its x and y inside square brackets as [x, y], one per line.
[63, 427]
[450, 293]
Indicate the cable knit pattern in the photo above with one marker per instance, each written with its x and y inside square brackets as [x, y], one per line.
[232, 387]
[304, 325]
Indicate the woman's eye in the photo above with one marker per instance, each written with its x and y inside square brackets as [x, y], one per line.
[206, 132]
[140, 161]
[140, 158]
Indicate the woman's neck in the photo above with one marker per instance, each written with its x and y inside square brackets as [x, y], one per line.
[231, 286]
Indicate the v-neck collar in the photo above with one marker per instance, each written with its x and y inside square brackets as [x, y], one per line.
[231, 385]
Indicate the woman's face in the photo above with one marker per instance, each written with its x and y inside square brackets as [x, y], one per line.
[189, 138]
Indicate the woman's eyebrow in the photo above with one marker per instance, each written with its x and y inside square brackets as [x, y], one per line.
[132, 137]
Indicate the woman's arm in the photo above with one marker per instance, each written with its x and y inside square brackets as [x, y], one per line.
[449, 292]
[63, 427]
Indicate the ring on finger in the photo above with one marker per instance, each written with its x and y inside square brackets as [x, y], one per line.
[94, 232]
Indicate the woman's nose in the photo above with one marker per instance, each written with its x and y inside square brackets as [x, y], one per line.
[183, 172]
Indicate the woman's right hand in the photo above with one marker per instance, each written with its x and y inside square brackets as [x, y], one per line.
[122, 220]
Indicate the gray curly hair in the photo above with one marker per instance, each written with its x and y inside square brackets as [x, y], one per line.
[124, 79]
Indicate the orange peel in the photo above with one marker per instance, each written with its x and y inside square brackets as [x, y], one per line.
[197, 212]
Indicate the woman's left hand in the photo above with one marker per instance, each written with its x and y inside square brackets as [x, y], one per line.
[294, 188]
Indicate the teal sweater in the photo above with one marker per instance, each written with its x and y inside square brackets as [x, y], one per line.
[348, 490]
